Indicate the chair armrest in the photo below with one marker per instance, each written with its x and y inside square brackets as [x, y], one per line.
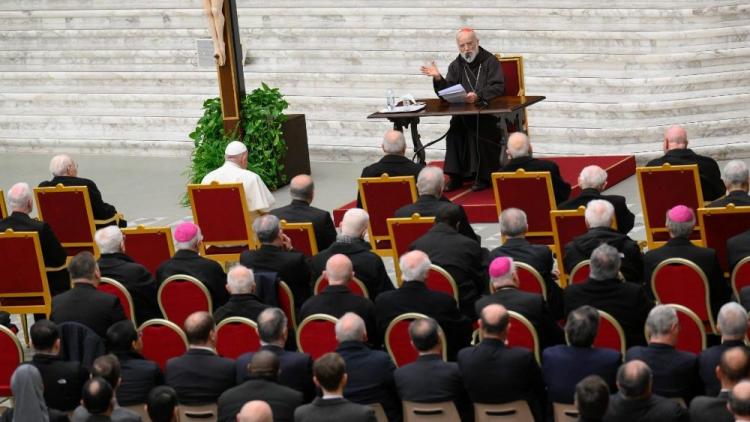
[115, 218]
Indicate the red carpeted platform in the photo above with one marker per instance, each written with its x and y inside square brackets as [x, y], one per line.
[480, 206]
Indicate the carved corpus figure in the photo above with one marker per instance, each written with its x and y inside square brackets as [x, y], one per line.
[213, 11]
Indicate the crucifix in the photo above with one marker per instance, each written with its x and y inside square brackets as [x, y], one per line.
[224, 30]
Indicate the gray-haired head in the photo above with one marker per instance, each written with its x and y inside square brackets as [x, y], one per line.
[431, 181]
[599, 213]
[351, 327]
[513, 222]
[267, 228]
[302, 188]
[581, 326]
[240, 280]
[634, 379]
[62, 165]
[394, 143]
[272, 324]
[592, 177]
[661, 320]
[736, 175]
[732, 321]
[20, 198]
[519, 145]
[109, 239]
[605, 262]
[414, 266]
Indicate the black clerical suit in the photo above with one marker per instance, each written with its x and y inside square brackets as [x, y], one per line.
[711, 408]
[626, 302]
[53, 253]
[368, 266]
[207, 271]
[458, 255]
[245, 305]
[86, 305]
[540, 258]
[675, 372]
[296, 369]
[704, 258]
[292, 267]
[137, 280]
[300, 211]
[709, 359]
[393, 165]
[100, 209]
[652, 409]
[429, 206]
[708, 170]
[62, 380]
[623, 216]
[560, 187]
[338, 300]
[429, 379]
[333, 409]
[200, 376]
[464, 153]
[738, 247]
[283, 400]
[739, 198]
[139, 376]
[580, 249]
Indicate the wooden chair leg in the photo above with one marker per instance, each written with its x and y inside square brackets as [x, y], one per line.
[25, 328]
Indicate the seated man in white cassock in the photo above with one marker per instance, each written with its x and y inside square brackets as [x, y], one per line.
[259, 198]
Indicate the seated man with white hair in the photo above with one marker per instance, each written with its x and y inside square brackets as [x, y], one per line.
[736, 179]
[242, 299]
[115, 264]
[593, 180]
[599, 215]
[65, 172]
[520, 153]
[732, 325]
[368, 265]
[259, 198]
[394, 162]
[20, 204]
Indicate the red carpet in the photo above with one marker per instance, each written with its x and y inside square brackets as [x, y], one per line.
[480, 206]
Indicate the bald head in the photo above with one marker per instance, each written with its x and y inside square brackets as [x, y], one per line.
[394, 143]
[739, 400]
[302, 188]
[593, 177]
[351, 327]
[519, 145]
[240, 280]
[339, 270]
[675, 138]
[20, 198]
[414, 266]
[733, 366]
[255, 411]
[199, 329]
[355, 221]
[493, 321]
[634, 379]
[264, 364]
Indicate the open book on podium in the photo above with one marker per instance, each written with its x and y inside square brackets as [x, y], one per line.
[455, 94]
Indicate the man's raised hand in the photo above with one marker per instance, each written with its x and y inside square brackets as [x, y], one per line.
[431, 70]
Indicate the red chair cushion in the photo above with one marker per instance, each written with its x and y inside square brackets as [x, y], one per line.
[148, 249]
[161, 343]
[530, 195]
[719, 228]
[511, 76]
[691, 336]
[318, 338]
[300, 240]
[742, 276]
[383, 199]
[219, 213]
[66, 213]
[681, 285]
[9, 361]
[568, 228]
[19, 266]
[581, 275]
[607, 336]
[236, 338]
[182, 298]
[520, 336]
[400, 344]
[404, 234]
[110, 289]
[527, 282]
[437, 282]
[663, 190]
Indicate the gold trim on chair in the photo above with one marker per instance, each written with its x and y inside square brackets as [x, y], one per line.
[384, 178]
[311, 318]
[618, 328]
[3, 208]
[12, 335]
[308, 227]
[559, 247]
[522, 174]
[735, 270]
[521, 83]
[317, 289]
[124, 291]
[693, 316]
[703, 213]
[516, 317]
[694, 267]
[538, 277]
[442, 271]
[82, 190]
[190, 279]
[411, 316]
[236, 320]
[394, 221]
[288, 292]
[167, 323]
[143, 230]
[577, 267]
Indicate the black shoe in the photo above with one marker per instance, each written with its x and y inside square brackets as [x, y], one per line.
[453, 184]
[479, 185]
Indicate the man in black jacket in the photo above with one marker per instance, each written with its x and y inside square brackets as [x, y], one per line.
[65, 172]
[242, 300]
[367, 265]
[592, 181]
[393, 163]
[21, 203]
[186, 260]
[676, 152]
[599, 215]
[738, 247]
[138, 374]
[276, 254]
[302, 191]
[115, 264]
[736, 180]
[732, 325]
[520, 154]
[732, 368]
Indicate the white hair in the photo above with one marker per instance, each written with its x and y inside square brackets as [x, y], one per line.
[394, 142]
[592, 177]
[513, 222]
[350, 327]
[414, 266]
[109, 239]
[736, 173]
[506, 278]
[240, 279]
[19, 196]
[599, 213]
[191, 243]
[58, 165]
[732, 321]
[355, 222]
[660, 320]
[518, 149]
[430, 181]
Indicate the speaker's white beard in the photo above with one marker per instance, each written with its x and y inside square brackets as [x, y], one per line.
[469, 56]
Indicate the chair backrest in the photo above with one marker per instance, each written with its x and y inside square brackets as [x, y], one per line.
[692, 336]
[10, 358]
[522, 333]
[610, 334]
[149, 246]
[516, 411]
[3, 208]
[381, 197]
[679, 281]
[114, 287]
[180, 295]
[379, 411]
[440, 280]
[515, 84]
[566, 226]
[718, 225]
[67, 209]
[23, 281]
[564, 412]
[403, 232]
[316, 335]
[356, 286]
[235, 336]
[302, 236]
[662, 188]
[285, 299]
[580, 272]
[529, 279]
[202, 413]
[220, 210]
[741, 275]
[532, 193]
[162, 340]
[430, 412]
[398, 343]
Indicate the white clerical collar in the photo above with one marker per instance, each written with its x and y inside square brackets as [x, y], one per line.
[327, 396]
[210, 349]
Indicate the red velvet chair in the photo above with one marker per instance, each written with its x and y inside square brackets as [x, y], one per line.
[149, 246]
[692, 336]
[566, 226]
[515, 85]
[381, 197]
[285, 299]
[220, 210]
[440, 280]
[532, 193]
[235, 336]
[521, 333]
[68, 211]
[356, 286]
[162, 340]
[316, 335]
[529, 279]
[741, 275]
[718, 225]
[302, 236]
[180, 295]
[403, 232]
[3, 208]
[662, 188]
[398, 342]
[580, 273]
[610, 334]
[10, 358]
[114, 287]
[679, 281]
